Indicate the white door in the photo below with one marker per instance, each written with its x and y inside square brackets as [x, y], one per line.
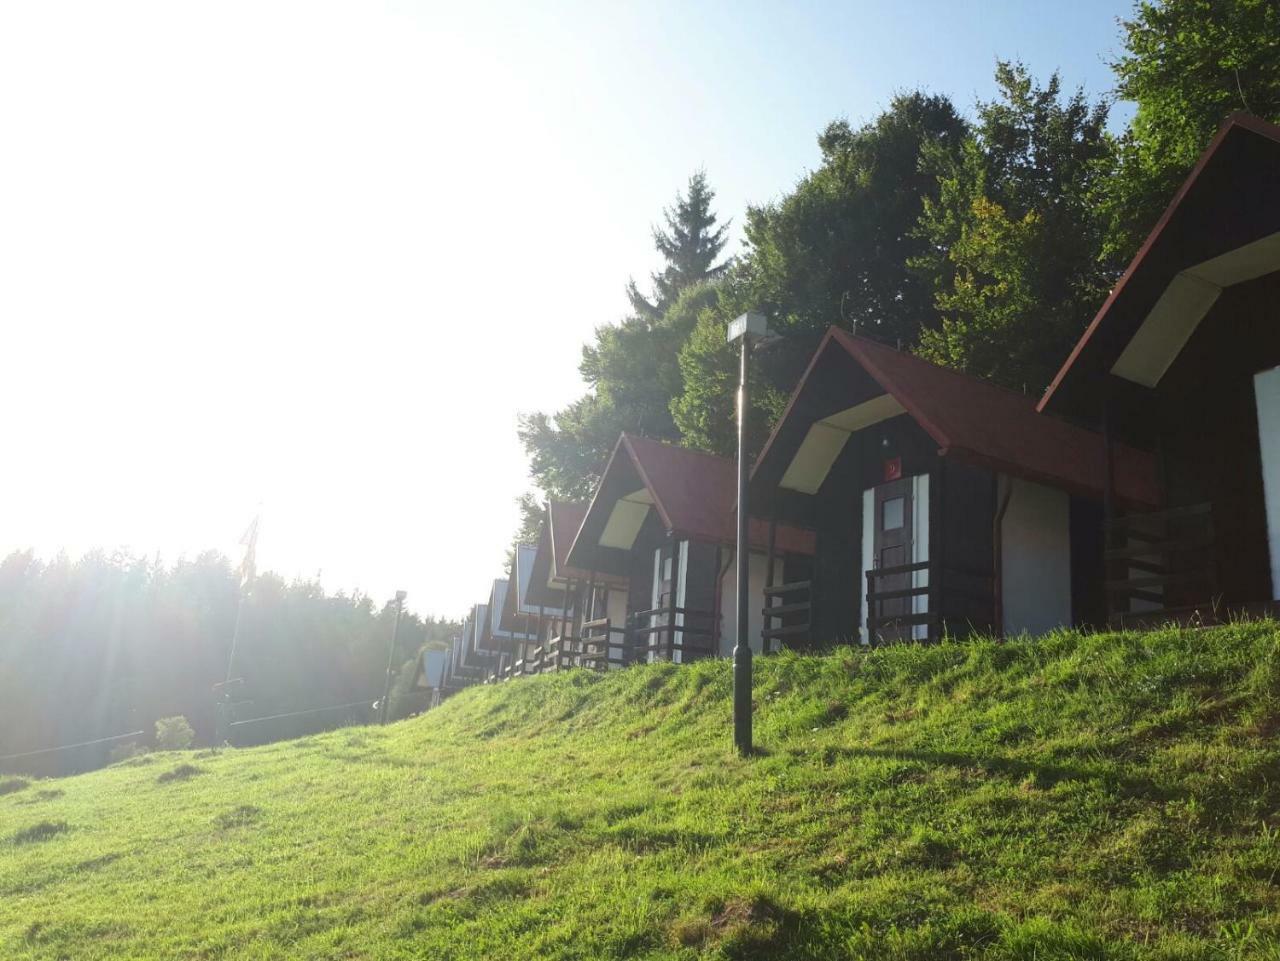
[1266, 391]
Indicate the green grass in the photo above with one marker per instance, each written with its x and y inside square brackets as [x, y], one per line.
[1104, 796]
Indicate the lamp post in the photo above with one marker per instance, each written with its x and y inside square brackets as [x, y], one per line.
[748, 328]
[391, 657]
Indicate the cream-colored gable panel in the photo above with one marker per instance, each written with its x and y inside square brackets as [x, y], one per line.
[826, 439]
[625, 520]
[1243, 263]
[1168, 327]
[1185, 302]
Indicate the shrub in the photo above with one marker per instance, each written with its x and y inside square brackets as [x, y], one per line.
[126, 751]
[174, 734]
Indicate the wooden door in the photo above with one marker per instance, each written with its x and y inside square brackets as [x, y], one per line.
[892, 547]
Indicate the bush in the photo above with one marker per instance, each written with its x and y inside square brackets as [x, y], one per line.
[174, 734]
[125, 752]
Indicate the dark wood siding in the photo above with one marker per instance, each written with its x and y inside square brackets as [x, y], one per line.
[1202, 422]
[961, 525]
[1088, 599]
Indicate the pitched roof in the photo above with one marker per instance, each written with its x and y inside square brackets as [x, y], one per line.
[563, 520]
[1213, 211]
[693, 492]
[516, 607]
[1000, 429]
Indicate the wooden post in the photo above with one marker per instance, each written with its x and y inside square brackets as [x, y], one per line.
[768, 580]
[871, 611]
[564, 620]
[675, 592]
[1108, 495]
[937, 547]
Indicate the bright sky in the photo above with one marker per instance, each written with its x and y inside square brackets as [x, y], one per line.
[319, 255]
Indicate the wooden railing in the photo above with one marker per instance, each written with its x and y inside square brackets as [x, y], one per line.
[963, 587]
[796, 600]
[558, 652]
[1162, 560]
[663, 632]
[603, 645]
[879, 623]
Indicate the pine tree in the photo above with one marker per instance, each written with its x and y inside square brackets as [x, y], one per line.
[690, 244]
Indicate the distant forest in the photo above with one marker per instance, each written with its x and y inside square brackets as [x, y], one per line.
[108, 644]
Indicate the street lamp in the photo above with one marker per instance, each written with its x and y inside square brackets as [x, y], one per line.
[748, 329]
[391, 656]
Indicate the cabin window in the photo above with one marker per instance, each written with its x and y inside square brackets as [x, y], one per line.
[894, 513]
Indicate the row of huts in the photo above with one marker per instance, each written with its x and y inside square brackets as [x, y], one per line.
[898, 500]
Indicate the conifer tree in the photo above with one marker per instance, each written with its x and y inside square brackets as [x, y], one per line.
[690, 244]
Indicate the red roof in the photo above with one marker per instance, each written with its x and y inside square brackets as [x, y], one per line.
[695, 494]
[564, 520]
[1000, 429]
[1161, 244]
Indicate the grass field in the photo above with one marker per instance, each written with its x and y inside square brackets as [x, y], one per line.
[1104, 796]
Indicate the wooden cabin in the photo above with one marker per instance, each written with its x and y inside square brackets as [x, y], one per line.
[505, 645]
[480, 654]
[429, 675]
[663, 519]
[521, 619]
[464, 667]
[1183, 359]
[573, 602]
[940, 502]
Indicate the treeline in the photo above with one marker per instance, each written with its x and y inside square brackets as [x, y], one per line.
[984, 242]
[108, 644]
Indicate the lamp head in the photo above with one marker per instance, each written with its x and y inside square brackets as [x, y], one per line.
[750, 325]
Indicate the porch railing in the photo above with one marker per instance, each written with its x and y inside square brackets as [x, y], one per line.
[663, 632]
[962, 585]
[879, 623]
[795, 605]
[558, 652]
[603, 645]
[1161, 565]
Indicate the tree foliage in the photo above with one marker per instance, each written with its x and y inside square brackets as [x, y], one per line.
[690, 245]
[631, 368]
[110, 644]
[837, 249]
[1187, 65]
[1016, 247]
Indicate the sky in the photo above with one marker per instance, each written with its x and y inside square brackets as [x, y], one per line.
[317, 257]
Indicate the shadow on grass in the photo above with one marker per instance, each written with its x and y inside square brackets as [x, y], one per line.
[183, 772]
[1046, 774]
[39, 832]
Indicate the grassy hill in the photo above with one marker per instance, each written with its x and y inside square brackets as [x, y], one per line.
[1105, 796]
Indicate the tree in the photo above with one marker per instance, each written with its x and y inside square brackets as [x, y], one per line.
[1188, 64]
[631, 368]
[690, 245]
[111, 643]
[836, 250]
[1016, 247]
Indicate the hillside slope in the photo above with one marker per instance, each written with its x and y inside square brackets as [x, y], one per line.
[1106, 796]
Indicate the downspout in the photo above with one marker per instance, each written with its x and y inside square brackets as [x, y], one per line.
[997, 550]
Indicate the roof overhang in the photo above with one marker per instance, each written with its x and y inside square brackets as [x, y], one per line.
[1222, 228]
[825, 440]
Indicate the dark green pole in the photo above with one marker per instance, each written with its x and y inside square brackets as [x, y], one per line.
[742, 650]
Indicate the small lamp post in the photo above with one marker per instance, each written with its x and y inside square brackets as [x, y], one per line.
[385, 704]
[748, 329]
